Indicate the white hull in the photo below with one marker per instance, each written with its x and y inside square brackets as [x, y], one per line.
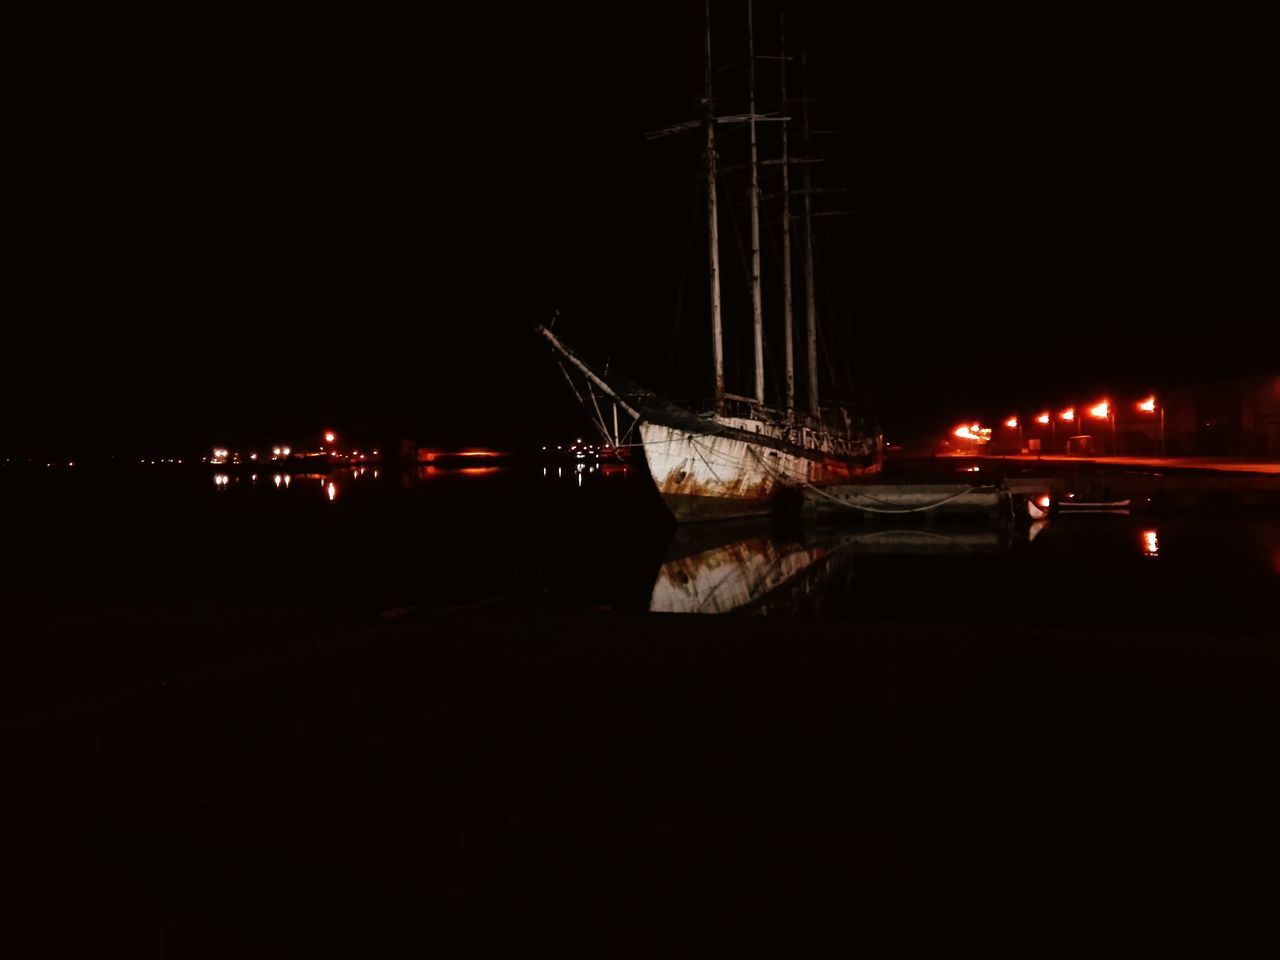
[738, 472]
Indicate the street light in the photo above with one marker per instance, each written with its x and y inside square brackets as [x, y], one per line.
[1013, 423]
[1103, 411]
[1149, 406]
[1053, 429]
[1069, 416]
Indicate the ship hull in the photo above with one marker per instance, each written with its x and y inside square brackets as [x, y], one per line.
[733, 473]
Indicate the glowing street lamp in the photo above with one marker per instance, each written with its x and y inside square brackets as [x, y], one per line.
[1067, 416]
[1013, 423]
[1046, 418]
[330, 436]
[1149, 406]
[1103, 411]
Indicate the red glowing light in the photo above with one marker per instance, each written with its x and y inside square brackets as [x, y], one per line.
[1043, 418]
[330, 436]
[1149, 405]
[1101, 410]
[1044, 501]
[1012, 423]
[1069, 413]
[430, 456]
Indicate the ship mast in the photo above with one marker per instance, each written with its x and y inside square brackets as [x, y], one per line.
[717, 343]
[786, 224]
[757, 308]
[811, 310]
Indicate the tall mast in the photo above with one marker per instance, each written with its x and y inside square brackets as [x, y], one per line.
[717, 343]
[811, 310]
[757, 309]
[786, 225]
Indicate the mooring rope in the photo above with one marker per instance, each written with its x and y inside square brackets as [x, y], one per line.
[866, 509]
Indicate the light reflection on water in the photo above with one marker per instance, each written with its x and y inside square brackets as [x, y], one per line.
[596, 534]
[333, 483]
[1098, 570]
[770, 573]
[1151, 543]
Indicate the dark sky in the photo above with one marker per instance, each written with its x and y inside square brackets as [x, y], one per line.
[226, 223]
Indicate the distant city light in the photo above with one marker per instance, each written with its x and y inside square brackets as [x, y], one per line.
[1012, 422]
[1069, 413]
[330, 436]
[973, 432]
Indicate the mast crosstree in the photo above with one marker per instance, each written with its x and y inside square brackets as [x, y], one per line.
[738, 458]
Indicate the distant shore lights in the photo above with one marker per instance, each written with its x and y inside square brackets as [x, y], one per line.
[974, 432]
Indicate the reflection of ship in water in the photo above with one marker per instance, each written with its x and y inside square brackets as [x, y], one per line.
[756, 569]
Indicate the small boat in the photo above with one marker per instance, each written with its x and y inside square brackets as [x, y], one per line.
[1093, 506]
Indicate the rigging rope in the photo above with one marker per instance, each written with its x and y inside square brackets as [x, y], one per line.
[777, 474]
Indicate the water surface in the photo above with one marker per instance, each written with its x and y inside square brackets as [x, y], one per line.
[582, 535]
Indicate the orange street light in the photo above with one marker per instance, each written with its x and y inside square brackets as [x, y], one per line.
[1149, 406]
[1043, 418]
[1013, 423]
[1102, 411]
[1068, 414]
[330, 436]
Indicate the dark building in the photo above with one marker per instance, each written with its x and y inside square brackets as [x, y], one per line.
[1236, 418]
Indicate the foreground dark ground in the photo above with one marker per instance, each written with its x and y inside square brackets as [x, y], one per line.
[199, 780]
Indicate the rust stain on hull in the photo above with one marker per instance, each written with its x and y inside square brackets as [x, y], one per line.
[733, 474]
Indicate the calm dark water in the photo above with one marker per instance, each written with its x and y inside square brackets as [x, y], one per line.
[534, 534]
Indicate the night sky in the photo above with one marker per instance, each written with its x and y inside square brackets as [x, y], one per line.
[231, 224]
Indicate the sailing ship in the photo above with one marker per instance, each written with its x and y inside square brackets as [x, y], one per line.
[737, 455]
